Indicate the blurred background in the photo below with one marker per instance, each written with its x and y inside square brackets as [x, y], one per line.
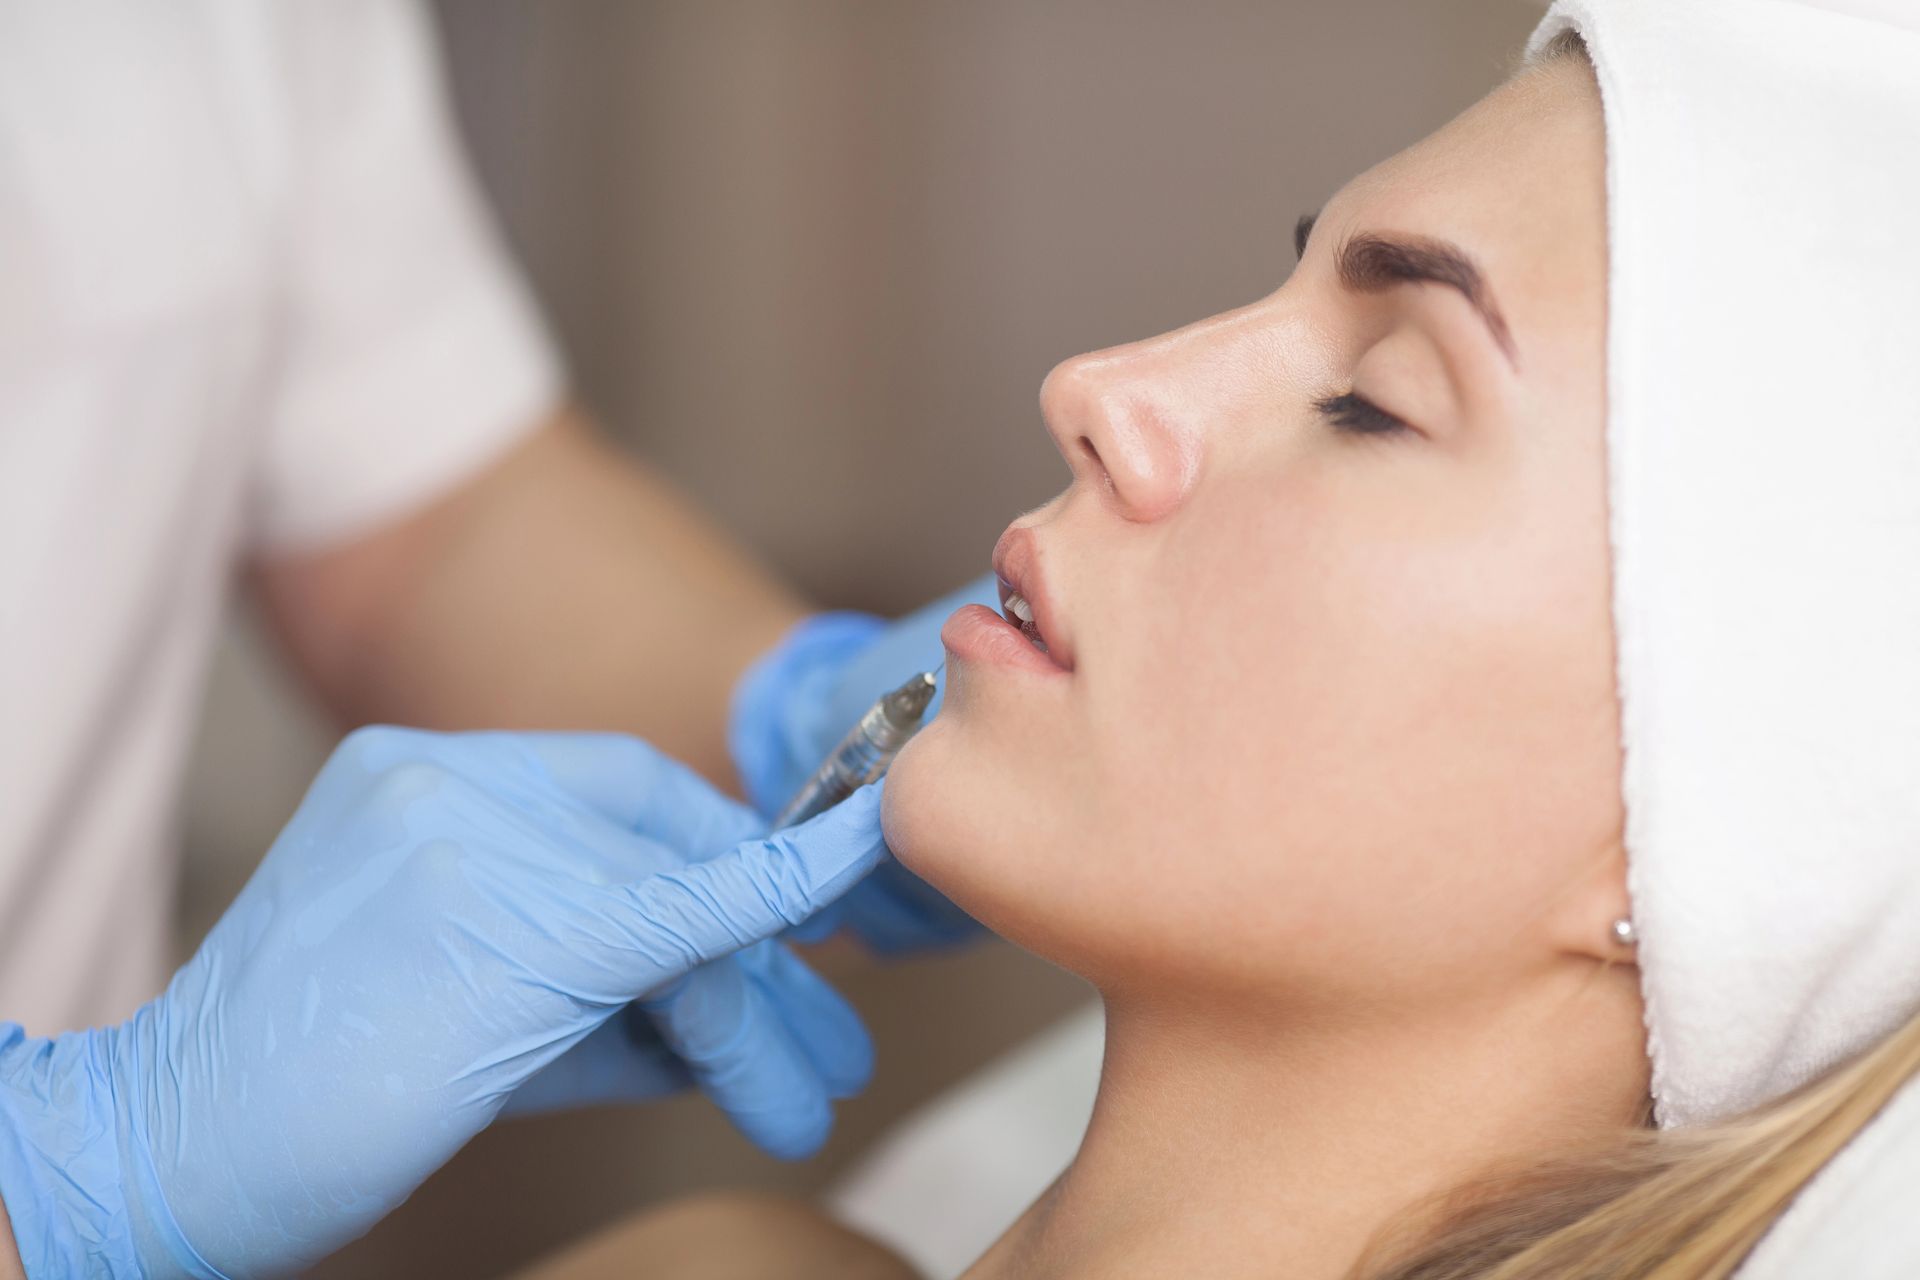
[812, 258]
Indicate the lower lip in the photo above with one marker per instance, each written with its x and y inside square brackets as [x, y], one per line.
[976, 633]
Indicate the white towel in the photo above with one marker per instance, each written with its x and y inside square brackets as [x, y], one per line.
[1763, 179]
[1856, 1220]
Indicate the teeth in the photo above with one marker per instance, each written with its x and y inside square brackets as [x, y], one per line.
[1020, 613]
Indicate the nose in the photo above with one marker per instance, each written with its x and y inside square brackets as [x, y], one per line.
[1117, 418]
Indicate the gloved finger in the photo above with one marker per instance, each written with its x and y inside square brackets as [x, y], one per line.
[884, 924]
[738, 1049]
[825, 1026]
[894, 911]
[822, 925]
[668, 923]
[642, 789]
[626, 1060]
[622, 1060]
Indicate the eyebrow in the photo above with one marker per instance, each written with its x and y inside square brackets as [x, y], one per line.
[1370, 262]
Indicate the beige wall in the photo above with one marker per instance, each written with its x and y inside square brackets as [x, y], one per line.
[813, 257]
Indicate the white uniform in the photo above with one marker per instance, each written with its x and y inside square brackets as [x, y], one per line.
[248, 302]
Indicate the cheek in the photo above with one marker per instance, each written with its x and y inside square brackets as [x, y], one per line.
[1356, 730]
[1337, 748]
[1458, 762]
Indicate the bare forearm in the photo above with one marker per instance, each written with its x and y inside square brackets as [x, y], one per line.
[726, 1236]
[567, 587]
[10, 1266]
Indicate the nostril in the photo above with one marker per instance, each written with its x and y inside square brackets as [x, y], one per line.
[1092, 455]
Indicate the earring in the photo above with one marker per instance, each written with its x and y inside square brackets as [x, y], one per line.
[1624, 932]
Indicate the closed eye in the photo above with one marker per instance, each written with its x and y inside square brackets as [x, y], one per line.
[1356, 415]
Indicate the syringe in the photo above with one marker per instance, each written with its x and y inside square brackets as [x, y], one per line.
[864, 754]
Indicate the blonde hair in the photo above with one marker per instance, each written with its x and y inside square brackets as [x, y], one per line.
[1678, 1204]
[1567, 44]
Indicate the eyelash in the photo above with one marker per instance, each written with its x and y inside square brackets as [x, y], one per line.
[1356, 415]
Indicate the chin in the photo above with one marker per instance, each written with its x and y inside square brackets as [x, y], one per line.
[942, 817]
[959, 817]
[918, 807]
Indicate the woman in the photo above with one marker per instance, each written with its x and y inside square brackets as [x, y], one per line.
[1301, 736]
[1317, 777]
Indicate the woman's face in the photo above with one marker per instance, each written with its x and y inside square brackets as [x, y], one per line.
[1327, 709]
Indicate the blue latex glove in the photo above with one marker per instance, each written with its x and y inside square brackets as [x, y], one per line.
[448, 920]
[798, 700]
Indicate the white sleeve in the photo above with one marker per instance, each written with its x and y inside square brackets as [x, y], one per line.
[413, 352]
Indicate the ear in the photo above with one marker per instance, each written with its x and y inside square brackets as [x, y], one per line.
[1580, 921]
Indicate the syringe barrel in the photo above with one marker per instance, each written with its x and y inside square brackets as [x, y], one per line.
[864, 754]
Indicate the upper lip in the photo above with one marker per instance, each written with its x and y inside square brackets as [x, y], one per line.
[1016, 561]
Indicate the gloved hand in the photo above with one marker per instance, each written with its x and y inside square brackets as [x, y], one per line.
[446, 919]
[798, 700]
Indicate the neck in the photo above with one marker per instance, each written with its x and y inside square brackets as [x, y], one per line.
[1222, 1146]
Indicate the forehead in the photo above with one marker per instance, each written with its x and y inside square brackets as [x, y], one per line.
[1518, 181]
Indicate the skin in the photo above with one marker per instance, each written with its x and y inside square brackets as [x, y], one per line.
[567, 586]
[10, 1268]
[725, 1236]
[1328, 806]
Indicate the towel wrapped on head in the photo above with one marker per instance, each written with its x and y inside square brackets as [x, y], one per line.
[1763, 179]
